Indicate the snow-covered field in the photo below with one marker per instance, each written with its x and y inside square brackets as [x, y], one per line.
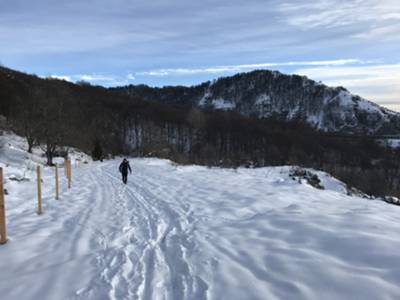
[189, 232]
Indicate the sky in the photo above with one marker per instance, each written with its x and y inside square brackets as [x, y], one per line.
[353, 43]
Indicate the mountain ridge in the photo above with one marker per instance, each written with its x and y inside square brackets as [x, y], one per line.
[272, 94]
[262, 94]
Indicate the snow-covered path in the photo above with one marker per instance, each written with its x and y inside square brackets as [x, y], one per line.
[195, 233]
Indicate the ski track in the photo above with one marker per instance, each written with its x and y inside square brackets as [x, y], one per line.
[161, 236]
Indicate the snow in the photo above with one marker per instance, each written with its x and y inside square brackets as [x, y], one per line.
[218, 103]
[390, 142]
[204, 100]
[346, 99]
[262, 99]
[369, 107]
[315, 120]
[191, 232]
[222, 104]
[372, 107]
[348, 102]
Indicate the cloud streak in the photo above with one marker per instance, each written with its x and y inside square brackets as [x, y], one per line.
[98, 79]
[336, 13]
[377, 82]
[244, 67]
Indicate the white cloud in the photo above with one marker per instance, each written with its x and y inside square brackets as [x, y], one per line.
[387, 33]
[130, 77]
[337, 13]
[380, 83]
[95, 77]
[245, 67]
[106, 80]
[381, 70]
[61, 77]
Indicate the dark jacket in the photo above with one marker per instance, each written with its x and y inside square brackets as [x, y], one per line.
[124, 167]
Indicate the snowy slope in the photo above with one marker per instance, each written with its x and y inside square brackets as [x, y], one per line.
[190, 232]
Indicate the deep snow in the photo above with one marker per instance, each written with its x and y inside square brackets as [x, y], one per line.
[190, 232]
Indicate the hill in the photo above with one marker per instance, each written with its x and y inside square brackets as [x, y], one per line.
[59, 115]
[271, 94]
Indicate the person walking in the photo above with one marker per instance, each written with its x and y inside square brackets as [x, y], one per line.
[123, 168]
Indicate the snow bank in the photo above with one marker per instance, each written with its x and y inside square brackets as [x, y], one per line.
[191, 232]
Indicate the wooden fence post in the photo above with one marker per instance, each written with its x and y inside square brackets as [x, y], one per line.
[65, 167]
[3, 229]
[57, 185]
[39, 190]
[69, 173]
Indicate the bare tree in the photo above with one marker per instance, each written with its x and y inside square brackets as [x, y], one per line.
[26, 120]
[52, 122]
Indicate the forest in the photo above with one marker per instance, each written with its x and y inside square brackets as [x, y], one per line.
[56, 114]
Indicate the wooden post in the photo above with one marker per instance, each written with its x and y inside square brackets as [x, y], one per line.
[57, 185]
[69, 173]
[3, 229]
[65, 167]
[39, 190]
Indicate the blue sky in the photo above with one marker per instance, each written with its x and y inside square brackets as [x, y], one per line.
[351, 43]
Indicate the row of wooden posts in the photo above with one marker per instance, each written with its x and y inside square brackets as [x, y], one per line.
[68, 175]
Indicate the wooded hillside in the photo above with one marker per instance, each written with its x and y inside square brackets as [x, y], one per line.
[57, 113]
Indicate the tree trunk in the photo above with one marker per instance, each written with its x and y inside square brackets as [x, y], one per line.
[31, 142]
[49, 156]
